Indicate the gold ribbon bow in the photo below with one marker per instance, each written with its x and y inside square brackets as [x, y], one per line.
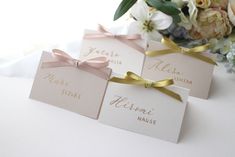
[174, 48]
[134, 79]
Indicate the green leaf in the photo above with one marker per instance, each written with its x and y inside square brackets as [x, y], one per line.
[176, 18]
[166, 7]
[124, 6]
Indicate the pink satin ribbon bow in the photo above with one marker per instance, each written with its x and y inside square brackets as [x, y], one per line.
[96, 65]
[126, 39]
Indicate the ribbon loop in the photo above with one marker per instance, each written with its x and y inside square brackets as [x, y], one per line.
[174, 48]
[134, 79]
[126, 39]
[94, 65]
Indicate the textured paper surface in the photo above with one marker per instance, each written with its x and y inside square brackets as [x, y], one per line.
[69, 88]
[122, 57]
[144, 110]
[186, 71]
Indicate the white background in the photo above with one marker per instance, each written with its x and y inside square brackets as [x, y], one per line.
[33, 129]
[28, 25]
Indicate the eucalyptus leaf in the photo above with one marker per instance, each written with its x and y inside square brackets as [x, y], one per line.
[124, 6]
[176, 18]
[166, 7]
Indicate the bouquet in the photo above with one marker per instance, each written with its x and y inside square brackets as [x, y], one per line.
[188, 22]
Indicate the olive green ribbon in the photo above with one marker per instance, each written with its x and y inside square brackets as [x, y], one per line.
[134, 79]
[174, 48]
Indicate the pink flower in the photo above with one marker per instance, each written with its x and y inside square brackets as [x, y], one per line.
[219, 4]
[211, 23]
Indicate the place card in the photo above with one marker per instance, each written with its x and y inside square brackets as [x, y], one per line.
[187, 71]
[76, 87]
[144, 110]
[123, 53]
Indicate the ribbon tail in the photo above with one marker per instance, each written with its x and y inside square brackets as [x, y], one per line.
[119, 80]
[128, 80]
[163, 83]
[202, 58]
[169, 43]
[170, 93]
[92, 36]
[131, 43]
[101, 28]
[131, 37]
[55, 64]
[160, 52]
[199, 49]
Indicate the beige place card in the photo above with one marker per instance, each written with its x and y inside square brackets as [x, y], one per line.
[122, 56]
[69, 88]
[144, 110]
[186, 71]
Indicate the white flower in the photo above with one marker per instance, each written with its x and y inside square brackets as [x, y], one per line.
[185, 22]
[148, 21]
[193, 12]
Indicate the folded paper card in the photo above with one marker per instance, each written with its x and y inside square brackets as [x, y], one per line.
[142, 106]
[74, 85]
[190, 68]
[123, 51]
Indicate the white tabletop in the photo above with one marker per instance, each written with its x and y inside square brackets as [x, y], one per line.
[33, 129]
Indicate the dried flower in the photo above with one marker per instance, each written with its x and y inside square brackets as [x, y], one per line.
[211, 23]
[219, 4]
[203, 3]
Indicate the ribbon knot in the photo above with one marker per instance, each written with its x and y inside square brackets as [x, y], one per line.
[148, 84]
[76, 63]
[184, 50]
[114, 36]
[174, 48]
[134, 79]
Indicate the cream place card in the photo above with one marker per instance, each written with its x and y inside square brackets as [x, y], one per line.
[71, 84]
[188, 67]
[150, 108]
[123, 51]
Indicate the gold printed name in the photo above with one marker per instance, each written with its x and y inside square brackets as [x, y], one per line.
[124, 103]
[112, 55]
[160, 65]
[51, 78]
[120, 102]
[54, 80]
[70, 94]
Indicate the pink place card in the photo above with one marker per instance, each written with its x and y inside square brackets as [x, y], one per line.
[69, 87]
[186, 71]
[124, 54]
